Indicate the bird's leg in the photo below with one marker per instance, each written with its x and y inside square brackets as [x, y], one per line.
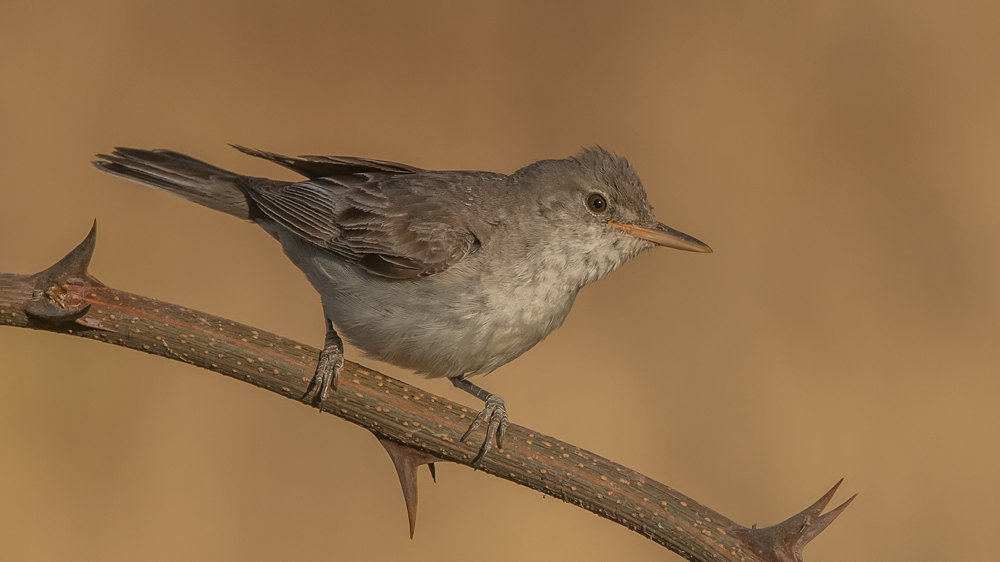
[494, 413]
[331, 359]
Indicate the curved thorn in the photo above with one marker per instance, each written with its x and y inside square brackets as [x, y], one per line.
[406, 460]
[786, 540]
[824, 520]
[817, 508]
[73, 264]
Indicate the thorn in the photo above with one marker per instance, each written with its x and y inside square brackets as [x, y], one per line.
[785, 541]
[824, 520]
[48, 302]
[816, 509]
[74, 264]
[407, 460]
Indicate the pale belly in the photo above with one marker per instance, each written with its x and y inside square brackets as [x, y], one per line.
[463, 321]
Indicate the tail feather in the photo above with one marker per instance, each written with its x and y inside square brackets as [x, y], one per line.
[181, 175]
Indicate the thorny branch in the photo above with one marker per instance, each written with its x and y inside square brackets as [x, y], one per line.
[415, 427]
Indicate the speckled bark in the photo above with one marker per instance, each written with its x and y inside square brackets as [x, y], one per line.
[56, 300]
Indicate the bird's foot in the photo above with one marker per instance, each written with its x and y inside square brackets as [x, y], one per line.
[331, 360]
[494, 413]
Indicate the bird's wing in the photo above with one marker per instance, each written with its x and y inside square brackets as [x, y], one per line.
[393, 225]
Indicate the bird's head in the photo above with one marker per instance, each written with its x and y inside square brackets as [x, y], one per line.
[597, 208]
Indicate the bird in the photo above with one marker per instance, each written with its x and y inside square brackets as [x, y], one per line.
[450, 274]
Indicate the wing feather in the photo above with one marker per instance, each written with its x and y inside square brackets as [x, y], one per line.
[387, 218]
[314, 167]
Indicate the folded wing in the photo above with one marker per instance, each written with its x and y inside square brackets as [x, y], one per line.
[386, 217]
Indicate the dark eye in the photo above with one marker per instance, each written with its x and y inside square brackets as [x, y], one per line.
[597, 203]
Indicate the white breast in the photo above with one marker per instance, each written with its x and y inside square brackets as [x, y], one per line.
[470, 319]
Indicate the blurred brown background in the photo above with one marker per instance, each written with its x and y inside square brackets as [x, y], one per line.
[841, 158]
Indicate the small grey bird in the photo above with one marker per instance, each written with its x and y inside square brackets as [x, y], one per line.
[450, 274]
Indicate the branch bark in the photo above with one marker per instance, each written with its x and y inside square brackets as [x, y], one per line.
[66, 299]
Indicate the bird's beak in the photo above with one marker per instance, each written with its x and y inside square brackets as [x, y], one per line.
[663, 235]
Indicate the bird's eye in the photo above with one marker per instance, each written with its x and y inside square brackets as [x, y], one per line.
[597, 203]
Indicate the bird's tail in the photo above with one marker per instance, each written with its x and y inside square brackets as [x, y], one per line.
[181, 175]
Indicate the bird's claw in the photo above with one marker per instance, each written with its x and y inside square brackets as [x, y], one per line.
[331, 360]
[494, 413]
